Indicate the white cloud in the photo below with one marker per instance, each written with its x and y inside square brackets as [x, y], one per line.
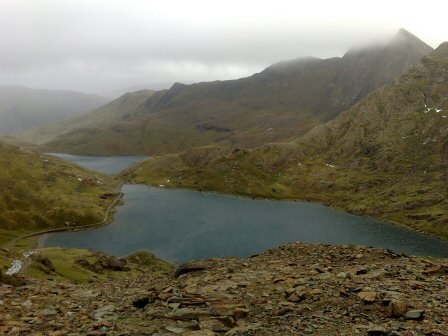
[95, 45]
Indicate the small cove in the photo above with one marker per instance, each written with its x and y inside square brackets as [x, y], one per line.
[102, 164]
[179, 225]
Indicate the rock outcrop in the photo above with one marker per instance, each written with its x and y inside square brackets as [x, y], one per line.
[297, 289]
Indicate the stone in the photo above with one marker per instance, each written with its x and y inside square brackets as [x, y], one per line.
[396, 308]
[48, 312]
[342, 275]
[99, 313]
[199, 333]
[296, 297]
[368, 297]
[377, 331]
[189, 268]
[414, 315]
[175, 329]
[240, 312]
[189, 314]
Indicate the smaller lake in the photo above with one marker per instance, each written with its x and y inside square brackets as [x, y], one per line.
[179, 225]
[102, 164]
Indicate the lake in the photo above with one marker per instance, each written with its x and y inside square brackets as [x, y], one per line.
[102, 164]
[179, 225]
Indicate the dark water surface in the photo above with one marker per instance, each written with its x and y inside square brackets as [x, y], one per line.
[179, 225]
[102, 164]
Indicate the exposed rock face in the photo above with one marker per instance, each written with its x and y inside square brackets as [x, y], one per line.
[297, 289]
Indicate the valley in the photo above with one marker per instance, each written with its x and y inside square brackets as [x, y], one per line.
[21, 108]
[307, 199]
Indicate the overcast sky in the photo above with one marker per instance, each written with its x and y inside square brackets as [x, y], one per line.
[101, 46]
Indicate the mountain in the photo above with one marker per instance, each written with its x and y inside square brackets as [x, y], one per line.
[282, 102]
[386, 157]
[22, 108]
[117, 111]
[39, 192]
[117, 92]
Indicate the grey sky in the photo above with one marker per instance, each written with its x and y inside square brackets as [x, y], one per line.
[103, 45]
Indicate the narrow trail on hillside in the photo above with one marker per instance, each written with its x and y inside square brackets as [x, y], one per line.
[18, 264]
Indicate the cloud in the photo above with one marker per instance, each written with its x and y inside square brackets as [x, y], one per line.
[98, 45]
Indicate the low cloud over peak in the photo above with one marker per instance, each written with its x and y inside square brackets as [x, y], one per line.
[98, 46]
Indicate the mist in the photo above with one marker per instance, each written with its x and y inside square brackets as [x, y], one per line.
[105, 46]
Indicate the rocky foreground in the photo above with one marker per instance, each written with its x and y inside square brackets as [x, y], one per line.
[297, 289]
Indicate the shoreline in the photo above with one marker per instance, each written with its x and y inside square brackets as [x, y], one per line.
[81, 227]
[42, 235]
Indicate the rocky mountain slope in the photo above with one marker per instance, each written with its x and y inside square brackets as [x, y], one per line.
[297, 289]
[39, 192]
[278, 104]
[22, 108]
[385, 157]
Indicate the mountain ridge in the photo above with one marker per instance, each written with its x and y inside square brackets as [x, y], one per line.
[385, 157]
[274, 105]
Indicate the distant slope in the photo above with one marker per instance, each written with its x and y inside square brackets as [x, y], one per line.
[278, 104]
[118, 110]
[22, 108]
[386, 157]
[39, 192]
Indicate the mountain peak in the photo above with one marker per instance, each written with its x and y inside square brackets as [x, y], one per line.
[441, 52]
[401, 39]
[404, 38]
[405, 33]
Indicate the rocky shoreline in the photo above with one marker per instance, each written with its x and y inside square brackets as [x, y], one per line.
[297, 289]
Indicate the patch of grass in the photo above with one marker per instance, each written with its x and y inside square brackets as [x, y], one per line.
[39, 192]
[146, 260]
[81, 266]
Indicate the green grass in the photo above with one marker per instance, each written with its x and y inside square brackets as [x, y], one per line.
[39, 192]
[276, 174]
[67, 267]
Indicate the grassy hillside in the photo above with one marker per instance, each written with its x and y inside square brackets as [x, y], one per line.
[22, 108]
[386, 157]
[38, 192]
[120, 109]
[280, 103]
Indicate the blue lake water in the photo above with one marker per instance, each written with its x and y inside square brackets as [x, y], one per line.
[102, 164]
[179, 225]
